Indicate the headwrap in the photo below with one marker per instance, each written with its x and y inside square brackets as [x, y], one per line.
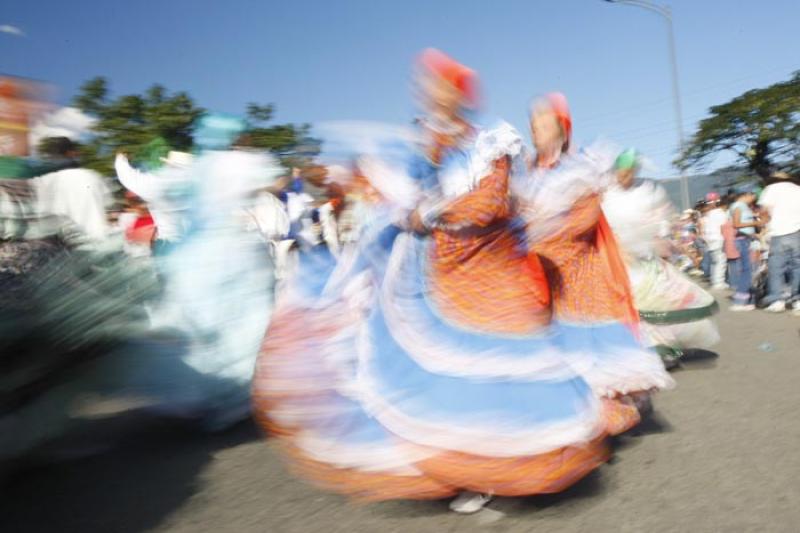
[218, 131]
[627, 160]
[152, 153]
[558, 103]
[457, 75]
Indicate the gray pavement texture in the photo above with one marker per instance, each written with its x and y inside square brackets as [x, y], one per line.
[720, 454]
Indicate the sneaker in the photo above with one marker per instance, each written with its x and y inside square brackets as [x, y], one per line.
[778, 306]
[796, 308]
[469, 502]
[720, 287]
[742, 307]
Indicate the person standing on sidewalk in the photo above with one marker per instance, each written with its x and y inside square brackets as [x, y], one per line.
[741, 270]
[712, 223]
[781, 201]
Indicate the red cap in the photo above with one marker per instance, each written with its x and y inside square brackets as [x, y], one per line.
[459, 76]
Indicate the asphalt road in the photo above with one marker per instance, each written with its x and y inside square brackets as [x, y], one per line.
[720, 454]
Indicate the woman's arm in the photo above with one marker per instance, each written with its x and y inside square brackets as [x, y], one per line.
[737, 220]
[139, 183]
[480, 207]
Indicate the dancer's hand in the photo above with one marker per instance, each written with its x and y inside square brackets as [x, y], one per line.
[415, 223]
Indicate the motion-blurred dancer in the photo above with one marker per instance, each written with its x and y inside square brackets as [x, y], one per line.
[427, 368]
[676, 313]
[592, 298]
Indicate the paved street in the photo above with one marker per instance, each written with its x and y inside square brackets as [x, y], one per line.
[720, 454]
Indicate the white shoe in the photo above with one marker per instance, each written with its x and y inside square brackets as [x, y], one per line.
[720, 287]
[796, 308]
[742, 307]
[778, 306]
[469, 502]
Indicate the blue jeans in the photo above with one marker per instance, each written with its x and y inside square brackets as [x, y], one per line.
[705, 263]
[741, 272]
[784, 260]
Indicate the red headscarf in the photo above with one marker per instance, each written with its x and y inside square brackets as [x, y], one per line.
[558, 103]
[459, 76]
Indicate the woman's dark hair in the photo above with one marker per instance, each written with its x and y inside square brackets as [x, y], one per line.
[57, 147]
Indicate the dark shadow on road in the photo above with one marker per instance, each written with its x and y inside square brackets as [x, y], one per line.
[592, 487]
[697, 359]
[151, 469]
[653, 424]
[406, 508]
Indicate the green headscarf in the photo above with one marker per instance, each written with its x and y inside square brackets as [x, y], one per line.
[627, 160]
[151, 153]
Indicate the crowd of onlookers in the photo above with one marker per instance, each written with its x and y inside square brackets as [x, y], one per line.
[302, 210]
[746, 241]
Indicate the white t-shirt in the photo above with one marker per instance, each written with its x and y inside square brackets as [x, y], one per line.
[297, 204]
[783, 202]
[712, 227]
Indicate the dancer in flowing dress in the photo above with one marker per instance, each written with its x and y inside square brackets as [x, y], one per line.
[425, 365]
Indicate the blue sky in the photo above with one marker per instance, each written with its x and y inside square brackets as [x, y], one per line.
[351, 59]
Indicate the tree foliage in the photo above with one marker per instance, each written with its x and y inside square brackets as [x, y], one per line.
[292, 143]
[760, 126]
[131, 122]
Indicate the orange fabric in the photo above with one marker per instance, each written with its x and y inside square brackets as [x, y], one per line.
[278, 387]
[610, 252]
[365, 486]
[517, 476]
[287, 380]
[620, 415]
[589, 281]
[478, 277]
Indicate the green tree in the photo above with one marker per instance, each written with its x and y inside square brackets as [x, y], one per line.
[291, 143]
[761, 127]
[130, 123]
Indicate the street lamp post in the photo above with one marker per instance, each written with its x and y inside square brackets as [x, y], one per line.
[665, 12]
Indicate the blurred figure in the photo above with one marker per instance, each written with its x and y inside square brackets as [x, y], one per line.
[85, 327]
[70, 298]
[420, 368]
[218, 294]
[712, 222]
[781, 200]
[329, 215]
[70, 202]
[299, 205]
[567, 229]
[675, 312]
[741, 269]
[268, 217]
[137, 225]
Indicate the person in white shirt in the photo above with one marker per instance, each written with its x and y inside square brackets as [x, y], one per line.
[712, 234]
[781, 200]
[269, 218]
